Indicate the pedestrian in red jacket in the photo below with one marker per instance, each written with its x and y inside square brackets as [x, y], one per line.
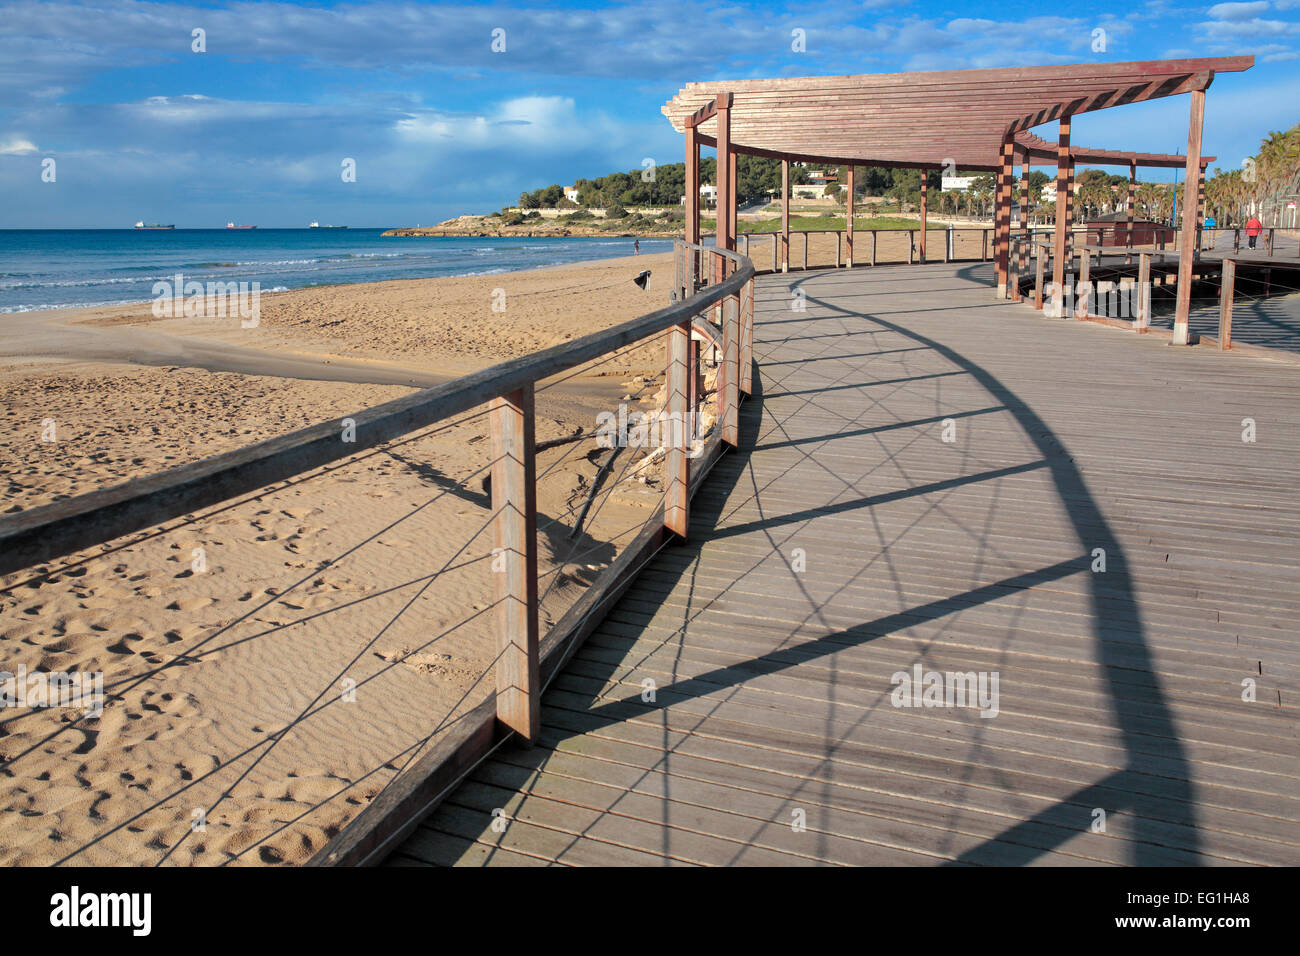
[1253, 228]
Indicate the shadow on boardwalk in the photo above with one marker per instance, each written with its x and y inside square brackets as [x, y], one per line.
[727, 689]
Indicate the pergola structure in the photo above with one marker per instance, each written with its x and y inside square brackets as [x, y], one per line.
[971, 119]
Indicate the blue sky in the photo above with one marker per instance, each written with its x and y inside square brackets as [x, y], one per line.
[255, 129]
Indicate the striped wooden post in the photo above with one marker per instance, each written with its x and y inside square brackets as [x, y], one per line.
[514, 500]
[1226, 290]
[838, 237]
[873, 247]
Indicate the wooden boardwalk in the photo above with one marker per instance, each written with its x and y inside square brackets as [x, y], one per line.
[735, 706]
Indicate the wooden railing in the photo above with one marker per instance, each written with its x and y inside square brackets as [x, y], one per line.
[711, 304]
[847, 242]
[1138, 287]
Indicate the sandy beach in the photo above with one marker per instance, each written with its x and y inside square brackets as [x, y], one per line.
[271, 664]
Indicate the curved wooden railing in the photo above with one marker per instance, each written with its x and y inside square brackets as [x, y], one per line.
[711, 307]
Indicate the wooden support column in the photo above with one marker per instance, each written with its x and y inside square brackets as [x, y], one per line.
[692, 203]
[925, 209]
[692, 186]
[1132, 185]
[733, 207]
[785, 215]
[848, 223]
[1187, 243]
[677, 442]
[1059, 238]
[514, 500]
[1002, 217]
[1025, 244]
[724, 238]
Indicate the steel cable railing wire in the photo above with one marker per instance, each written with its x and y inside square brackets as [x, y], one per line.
[260, 742]
[196, 651]
[184, 655]
[208, 514]
[311, 710]
[278, 735]
[413, 750]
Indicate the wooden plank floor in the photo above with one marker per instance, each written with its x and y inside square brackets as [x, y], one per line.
[736, 706]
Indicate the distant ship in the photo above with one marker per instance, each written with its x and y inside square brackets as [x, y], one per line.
[316, 225]
[231, 225]
[152, 225]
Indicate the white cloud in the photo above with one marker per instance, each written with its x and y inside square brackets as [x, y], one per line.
[1238, 11]
[16, 146]
[1279, 57]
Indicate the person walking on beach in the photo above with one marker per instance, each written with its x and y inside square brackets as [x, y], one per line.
[636, 247]
[1253, 228]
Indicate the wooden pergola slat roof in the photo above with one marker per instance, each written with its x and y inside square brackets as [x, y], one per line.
[929, 119]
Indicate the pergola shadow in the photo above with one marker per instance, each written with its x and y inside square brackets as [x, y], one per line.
[1113, 608]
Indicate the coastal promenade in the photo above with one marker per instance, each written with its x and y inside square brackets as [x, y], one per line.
[932, 482]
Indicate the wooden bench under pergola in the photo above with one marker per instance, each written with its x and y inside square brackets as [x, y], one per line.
[971, 119]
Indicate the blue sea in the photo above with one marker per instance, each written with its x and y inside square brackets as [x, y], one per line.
[66, 268]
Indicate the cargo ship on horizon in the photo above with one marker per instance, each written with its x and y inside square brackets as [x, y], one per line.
[153, 225]
[231, 225]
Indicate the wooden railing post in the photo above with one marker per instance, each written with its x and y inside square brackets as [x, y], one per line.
[747, 338]
[1013, 266]
[678, 440]
[838, 237]
[873, 247]
[776, 241]
[514, 500]
[984, 245]
[1143, 293]
[1038, 281]
[1227, 287]
[728, 381]
[911, 241]
[1083, 291]
[805, 251]
[1270, 240]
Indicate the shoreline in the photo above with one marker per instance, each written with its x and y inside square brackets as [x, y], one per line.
[281, 289]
